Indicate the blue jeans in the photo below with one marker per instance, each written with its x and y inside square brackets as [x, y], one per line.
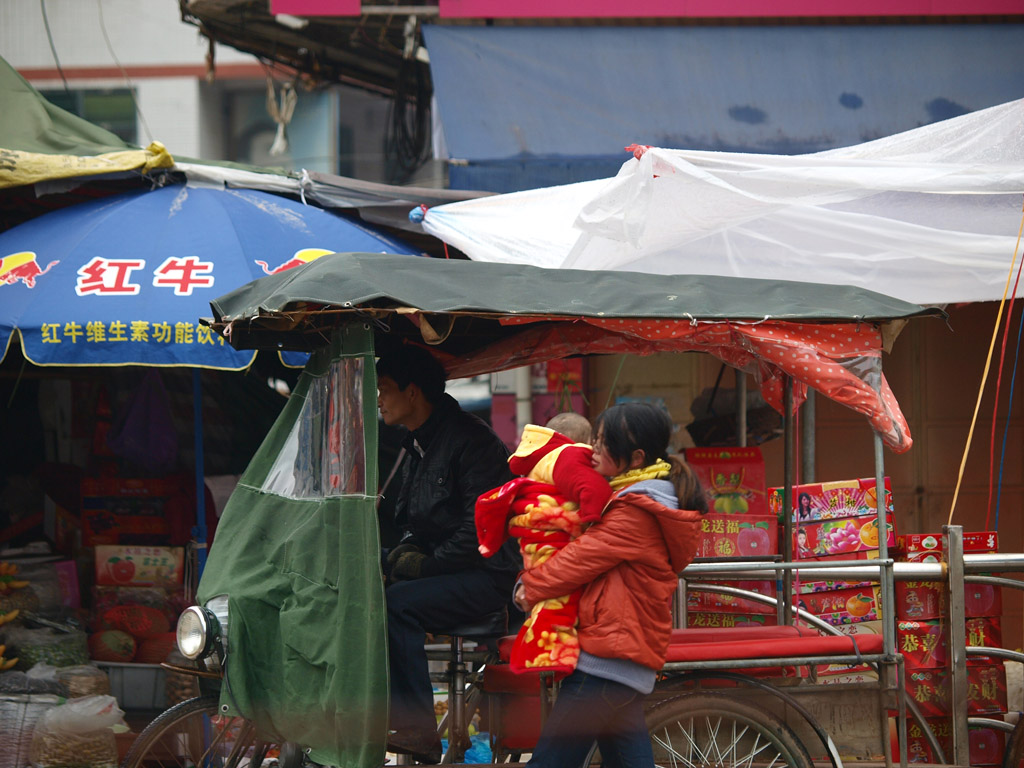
[590, 709]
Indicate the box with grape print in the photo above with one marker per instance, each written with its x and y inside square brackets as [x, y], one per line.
[733, 479]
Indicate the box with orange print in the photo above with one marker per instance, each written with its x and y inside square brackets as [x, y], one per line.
[851, 673]
[924, 644]
[733, 479]
[844, 606]
[835, 500]
[986, 690]
[728, 535]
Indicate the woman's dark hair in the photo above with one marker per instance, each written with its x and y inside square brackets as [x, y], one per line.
[800, 504]
[689, 491]
[413, 365]
[627, 427]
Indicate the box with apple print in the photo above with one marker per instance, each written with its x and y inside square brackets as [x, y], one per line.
[728, 620]
[923, 600]
[728, 535]
[733, 479]
[139, 566]
[924, 643]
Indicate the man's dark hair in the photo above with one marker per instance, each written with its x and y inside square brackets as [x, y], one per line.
[413, 365]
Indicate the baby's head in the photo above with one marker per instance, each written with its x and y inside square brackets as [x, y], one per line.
[572, 425]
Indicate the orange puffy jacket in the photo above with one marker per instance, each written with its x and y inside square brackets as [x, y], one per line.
[628, 565]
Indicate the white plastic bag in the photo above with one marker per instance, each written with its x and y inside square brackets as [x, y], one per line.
[78, 734]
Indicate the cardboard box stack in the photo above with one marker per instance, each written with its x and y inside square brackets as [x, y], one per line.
[838, 521]
[738, 525]
[922, 639]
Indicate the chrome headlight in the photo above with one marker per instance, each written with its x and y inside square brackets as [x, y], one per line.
[198, 630]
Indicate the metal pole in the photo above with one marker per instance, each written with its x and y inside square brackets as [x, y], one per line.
[741, 408]
[199, 532]
[808, 449]
[787, 497]
[953, 552]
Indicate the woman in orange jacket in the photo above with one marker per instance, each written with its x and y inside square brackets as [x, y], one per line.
[627, 565]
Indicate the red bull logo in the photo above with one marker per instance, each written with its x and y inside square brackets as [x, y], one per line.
[304, 256]
[22, 267]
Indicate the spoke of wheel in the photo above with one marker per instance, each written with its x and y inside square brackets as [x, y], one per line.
[241, 740]
[671, 752]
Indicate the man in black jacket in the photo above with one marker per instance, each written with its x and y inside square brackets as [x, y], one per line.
[436, 576]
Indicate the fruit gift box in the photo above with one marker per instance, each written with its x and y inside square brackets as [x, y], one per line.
[924, 643]
[727, 535]
[923, 600]
[733, 479]
[726, 603]
[828, 501]
[986, 690]
[139, 566]
[844, 606]
[840, 536]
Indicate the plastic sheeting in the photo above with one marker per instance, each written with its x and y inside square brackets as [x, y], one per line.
[930, 216]
[297, 553]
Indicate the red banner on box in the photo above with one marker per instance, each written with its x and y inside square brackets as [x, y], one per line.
[924, 643]
[986, 690]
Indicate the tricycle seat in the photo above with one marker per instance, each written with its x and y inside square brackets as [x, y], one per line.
[784, 642]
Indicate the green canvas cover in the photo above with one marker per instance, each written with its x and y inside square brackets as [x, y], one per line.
[297, 552]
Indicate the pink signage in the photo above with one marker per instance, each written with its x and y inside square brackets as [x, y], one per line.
[317, 7]
[721, 8]
[625, 9]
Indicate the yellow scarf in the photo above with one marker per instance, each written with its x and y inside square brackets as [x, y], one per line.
[655, 471]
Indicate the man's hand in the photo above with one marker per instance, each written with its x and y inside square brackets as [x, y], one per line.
[400, 550]
[520, 599]
[408, 566]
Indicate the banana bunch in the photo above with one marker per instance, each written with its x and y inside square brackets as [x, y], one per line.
[6, 664]
[8, 580]
[9, 616]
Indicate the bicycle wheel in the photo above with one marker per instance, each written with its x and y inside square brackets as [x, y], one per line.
[193, 734]
[708, 729]
[1014, 756]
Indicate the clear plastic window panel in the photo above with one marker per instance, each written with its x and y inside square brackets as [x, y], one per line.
[325, 453]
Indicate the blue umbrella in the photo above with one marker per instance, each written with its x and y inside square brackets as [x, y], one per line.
[124, 280]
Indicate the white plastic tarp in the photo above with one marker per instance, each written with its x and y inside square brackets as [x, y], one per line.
[930, 216]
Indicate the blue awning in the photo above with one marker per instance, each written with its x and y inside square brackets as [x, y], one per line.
[525, 107]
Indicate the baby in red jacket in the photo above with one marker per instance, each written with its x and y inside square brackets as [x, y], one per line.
[559, 495]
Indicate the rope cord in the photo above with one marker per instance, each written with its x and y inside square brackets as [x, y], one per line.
[1006, 427]
[407, 141]
[984, 375]
[995, 402]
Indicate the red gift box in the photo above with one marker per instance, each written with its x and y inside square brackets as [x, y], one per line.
[844, 606]
[985, 745]
[723, 620]
[828, 501]
[805, 581]
[838, 673]
[727, 535]
[733, 479]
[921, 600]
[127, 510]
[924, 643]
[721, 603]
[986, 690]
[840, 536]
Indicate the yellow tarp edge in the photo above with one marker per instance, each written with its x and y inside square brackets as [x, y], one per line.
[19, 168]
